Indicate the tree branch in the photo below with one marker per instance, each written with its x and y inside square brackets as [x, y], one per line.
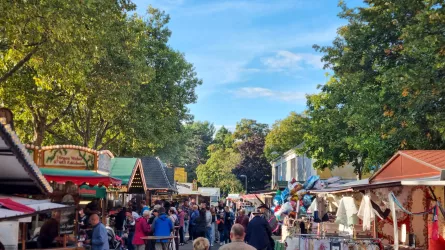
[62, 114]
[64, 139]
[80, 132]
[109, 142]
[98, 131]
[100, 137]
[19, 65]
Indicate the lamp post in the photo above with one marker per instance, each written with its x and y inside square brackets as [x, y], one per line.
[243, 176]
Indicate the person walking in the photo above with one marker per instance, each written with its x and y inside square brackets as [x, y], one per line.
[259, 233]
[212, 226]
[119, 220]
[194, 214]
[172, 213]
[208, 224]
[142, 228]
[200, 225]
[237, 235]
[99, 239]
[221, 227]
[242, 219]
[181, 215]
[130, 224]
[229, 218]
[186, 208]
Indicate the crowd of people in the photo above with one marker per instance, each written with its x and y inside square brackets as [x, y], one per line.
[197, 223]
[248, 233]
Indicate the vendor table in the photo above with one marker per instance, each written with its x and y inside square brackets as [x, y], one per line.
[165, 245]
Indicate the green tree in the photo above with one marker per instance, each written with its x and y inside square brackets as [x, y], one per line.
[250, 143]
[285, 134]
[385, 93]
[217, 171]
[190, 149]
[46, 50]
[247, 128]
[223, 140]
[99, 114]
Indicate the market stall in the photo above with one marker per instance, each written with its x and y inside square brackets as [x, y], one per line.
[159, 180]
[19, 177]
[130, 171]
[400, 206]
[67, 167]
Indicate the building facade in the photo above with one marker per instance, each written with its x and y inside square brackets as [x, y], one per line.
[292, 165]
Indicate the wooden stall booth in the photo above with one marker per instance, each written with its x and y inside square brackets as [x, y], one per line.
[159, 180]
[67, 167]
[134, 185]
[21, 184]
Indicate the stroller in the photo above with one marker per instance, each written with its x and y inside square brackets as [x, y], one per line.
[114, 241]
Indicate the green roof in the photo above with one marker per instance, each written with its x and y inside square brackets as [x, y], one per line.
[69, 172]
[122, 168]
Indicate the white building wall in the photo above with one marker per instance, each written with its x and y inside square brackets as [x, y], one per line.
[282, 168]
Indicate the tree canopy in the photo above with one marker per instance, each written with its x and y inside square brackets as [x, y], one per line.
[101, 77]
[285, 134]
[386, 87]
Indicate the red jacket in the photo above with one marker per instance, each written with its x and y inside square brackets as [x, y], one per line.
[142, 229]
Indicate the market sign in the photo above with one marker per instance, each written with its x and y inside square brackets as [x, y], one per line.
[86, 191]
[67, 217]
[180, 175]
[161, 191]
[69, 158]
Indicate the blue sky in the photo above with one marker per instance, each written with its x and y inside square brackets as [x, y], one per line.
[255, 56]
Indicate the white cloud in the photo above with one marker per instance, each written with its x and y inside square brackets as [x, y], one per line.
[287, 61]
[256, 92]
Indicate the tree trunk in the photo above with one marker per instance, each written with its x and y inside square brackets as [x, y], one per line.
[39, 133]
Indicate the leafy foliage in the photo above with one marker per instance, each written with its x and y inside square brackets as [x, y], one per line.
[190, 150]
[285, 135]
[254, 164]
[385, 93]
[217, 171]
[98, 78]
[247, 128]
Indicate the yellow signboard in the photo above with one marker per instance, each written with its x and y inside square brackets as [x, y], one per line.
[180, 175]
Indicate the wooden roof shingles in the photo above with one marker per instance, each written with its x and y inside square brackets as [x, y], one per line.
[155, 173]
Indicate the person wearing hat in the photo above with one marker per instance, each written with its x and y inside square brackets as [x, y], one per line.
[264, 210]
[259, 233]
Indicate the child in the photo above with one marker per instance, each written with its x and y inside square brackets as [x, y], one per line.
[220, 223]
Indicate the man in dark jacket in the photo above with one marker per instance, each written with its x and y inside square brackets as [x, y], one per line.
[259, 234]
[229, 218]
[119, 220]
